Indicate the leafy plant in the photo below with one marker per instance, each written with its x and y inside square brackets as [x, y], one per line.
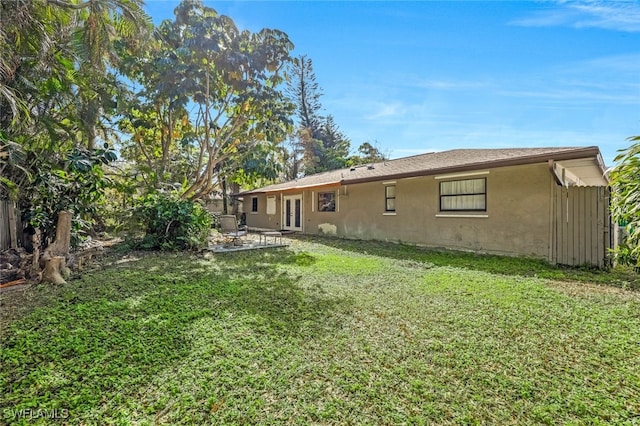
[75, 182]
[625, 179]
[171, 223]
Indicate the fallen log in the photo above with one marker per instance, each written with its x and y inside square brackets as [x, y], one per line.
[12, 283]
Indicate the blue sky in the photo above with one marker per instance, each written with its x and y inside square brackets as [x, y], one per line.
[421, 76]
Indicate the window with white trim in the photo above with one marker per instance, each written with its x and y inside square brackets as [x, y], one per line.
[463, 195]
[390, 198]
[271, 204]
[254, 204]
[327, 201]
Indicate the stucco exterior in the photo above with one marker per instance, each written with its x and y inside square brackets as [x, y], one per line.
[516, 220]
[548, 203]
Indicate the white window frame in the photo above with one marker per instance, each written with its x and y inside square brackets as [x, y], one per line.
[335, 201]
[271, 204]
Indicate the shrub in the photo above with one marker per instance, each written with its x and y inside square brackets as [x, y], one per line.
[171, 223]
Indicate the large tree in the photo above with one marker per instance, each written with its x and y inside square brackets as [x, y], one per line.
[329, 152]
[212, 90]
[318, 145]
[625, 180]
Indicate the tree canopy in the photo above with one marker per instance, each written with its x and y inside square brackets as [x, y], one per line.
[209, 96]
[96, 100]
[318, 144]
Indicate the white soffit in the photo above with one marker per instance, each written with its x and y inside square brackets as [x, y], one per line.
[587, 170]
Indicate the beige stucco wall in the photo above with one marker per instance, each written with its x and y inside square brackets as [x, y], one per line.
[261, 220]
[517, 218]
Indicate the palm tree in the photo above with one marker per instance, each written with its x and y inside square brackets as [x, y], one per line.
[101, 24]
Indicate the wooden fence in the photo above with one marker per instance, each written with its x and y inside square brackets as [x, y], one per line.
[9, 225]
[582, 228]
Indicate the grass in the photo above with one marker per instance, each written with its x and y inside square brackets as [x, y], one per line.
[324, 332]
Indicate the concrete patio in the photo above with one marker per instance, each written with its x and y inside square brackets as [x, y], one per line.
[218, 243]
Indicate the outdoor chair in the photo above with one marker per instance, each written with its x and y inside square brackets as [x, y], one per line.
[230, 231]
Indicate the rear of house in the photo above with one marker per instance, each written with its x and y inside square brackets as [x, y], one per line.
[548, 203]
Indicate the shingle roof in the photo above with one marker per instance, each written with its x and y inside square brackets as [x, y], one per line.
[456, 160]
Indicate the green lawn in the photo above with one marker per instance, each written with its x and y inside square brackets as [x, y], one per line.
[324, 332]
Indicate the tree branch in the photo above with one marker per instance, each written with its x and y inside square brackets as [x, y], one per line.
[74, 6]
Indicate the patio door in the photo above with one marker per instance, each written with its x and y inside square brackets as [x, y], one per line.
[292, 212]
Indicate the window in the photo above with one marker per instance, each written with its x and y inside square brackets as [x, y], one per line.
[464, 195]
[254, 204]
[390, 198]
[271, 204]
[326, 201]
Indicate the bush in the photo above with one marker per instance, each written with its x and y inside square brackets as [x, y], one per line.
[171, 223]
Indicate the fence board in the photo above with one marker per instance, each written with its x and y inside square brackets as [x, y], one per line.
[582, 233]
[591, 198]
[8, 225]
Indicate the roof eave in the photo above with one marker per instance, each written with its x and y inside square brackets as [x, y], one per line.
[586, 152]
[577, 153]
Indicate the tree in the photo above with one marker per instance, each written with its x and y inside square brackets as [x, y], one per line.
[318, 138]
[368, 153]
[330, 152]
[625, 180]
[229, 80]
[303, 88]
[102, 23]
[43, 81]
[55, 58]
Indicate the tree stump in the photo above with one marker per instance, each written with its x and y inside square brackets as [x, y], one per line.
[55, 254]
[53, 268]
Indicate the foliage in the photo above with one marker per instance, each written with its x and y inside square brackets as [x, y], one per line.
[318, 143]
[367, 154]
[171, 223]
[625, 180]
[228, 78]
[326, 332]
[58, 93]
[329, 152]
[73, 181]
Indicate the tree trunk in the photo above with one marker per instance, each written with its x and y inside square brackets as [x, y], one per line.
[35, 264]
[225, 204]
[55, 254]
[235, 206]
[61, 245]
[54, 267]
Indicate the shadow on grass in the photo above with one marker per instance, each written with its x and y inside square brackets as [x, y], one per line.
[505, 265]
[109, 332]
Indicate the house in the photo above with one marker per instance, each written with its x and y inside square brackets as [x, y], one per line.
[548, 203]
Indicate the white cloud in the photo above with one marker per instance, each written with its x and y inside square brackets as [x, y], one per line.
[617, 16]
[386, 110]
[577, 95]
[620, 63]
[451, 84]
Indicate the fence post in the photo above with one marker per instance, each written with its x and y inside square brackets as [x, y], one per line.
[13, 226]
